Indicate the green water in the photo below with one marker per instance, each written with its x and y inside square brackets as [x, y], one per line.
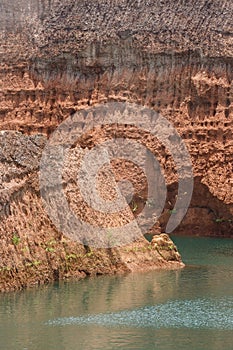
[187, 309]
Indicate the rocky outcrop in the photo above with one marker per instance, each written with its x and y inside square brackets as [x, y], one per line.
[33, 251]
[59, 57]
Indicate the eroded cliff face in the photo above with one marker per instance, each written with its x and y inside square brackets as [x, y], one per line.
[175, 57]
[33, 251]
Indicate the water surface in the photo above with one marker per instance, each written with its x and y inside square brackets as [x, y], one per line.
[190, 308]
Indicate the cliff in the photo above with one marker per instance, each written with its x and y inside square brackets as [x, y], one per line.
[57, 58]
[33, 251]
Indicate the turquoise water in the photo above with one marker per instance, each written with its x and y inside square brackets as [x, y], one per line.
[190, 308]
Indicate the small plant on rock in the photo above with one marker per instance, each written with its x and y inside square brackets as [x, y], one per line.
[15, 240]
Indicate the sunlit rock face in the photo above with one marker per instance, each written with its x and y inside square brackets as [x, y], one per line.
[33, 249]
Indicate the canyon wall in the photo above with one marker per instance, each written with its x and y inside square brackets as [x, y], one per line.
[57, 58]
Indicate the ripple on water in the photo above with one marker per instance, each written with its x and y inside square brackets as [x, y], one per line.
[198, 313]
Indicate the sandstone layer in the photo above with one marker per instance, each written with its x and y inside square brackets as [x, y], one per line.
[57, 58]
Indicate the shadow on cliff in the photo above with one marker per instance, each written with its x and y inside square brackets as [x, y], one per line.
[206, 216]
